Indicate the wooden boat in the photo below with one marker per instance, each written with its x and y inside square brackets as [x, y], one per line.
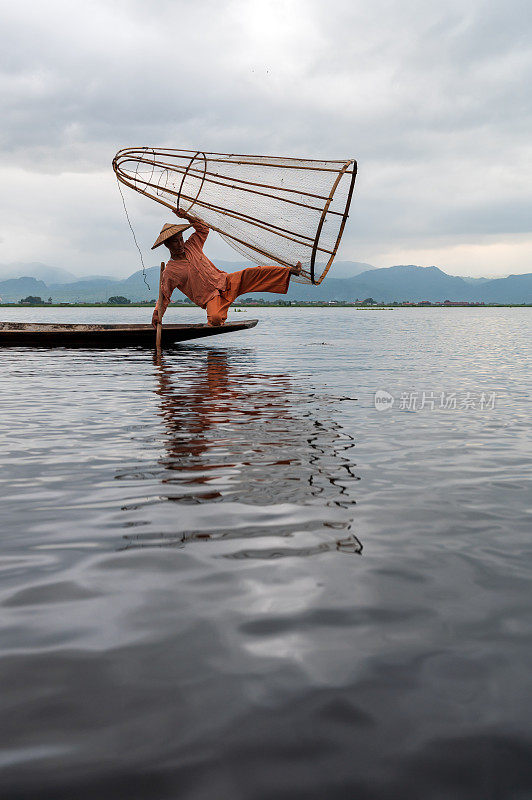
[37, 334]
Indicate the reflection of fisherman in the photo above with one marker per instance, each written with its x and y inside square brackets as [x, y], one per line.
[190, 271]
[196, 396]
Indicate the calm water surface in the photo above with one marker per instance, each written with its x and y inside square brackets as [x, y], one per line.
[226, 575]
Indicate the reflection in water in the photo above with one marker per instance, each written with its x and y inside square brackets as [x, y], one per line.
[234, 436]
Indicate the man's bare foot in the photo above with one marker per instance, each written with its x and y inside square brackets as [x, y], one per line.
[297, 270]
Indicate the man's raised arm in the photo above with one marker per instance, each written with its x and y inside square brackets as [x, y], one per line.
[201, 230]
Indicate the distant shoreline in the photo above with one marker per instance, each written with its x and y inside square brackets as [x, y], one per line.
[290, 304]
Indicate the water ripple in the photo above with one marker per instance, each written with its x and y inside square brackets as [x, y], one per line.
[226, 575]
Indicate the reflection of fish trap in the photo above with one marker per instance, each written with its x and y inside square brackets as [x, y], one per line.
[266, 207]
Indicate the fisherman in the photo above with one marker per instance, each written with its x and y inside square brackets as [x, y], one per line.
[190, 271]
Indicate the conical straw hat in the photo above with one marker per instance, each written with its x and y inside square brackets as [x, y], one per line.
[167, 231]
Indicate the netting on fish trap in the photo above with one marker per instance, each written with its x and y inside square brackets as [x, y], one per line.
[268, 208]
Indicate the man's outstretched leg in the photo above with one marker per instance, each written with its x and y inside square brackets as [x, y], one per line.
[252, 279]
[258, 279]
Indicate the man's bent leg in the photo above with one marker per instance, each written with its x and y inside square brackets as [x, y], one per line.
[216, 311]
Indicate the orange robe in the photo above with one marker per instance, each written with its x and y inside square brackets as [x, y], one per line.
[252, 279]
[210, 287]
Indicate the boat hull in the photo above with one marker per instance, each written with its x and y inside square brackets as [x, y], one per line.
[36, 334]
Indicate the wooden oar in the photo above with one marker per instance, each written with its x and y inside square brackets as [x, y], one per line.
[159, 306]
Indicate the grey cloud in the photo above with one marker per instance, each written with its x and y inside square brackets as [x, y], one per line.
[427, 96]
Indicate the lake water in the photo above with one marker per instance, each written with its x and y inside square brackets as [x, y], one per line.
[226, 574]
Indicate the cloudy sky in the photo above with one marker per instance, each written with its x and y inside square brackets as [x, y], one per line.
[432, 97]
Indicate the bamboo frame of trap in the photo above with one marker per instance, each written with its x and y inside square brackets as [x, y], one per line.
[183, 162]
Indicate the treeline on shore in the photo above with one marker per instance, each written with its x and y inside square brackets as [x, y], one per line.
[369, 302]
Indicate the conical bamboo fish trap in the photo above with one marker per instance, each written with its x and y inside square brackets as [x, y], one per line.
[267, 207]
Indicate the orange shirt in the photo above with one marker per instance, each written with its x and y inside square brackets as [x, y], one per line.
[194, 275]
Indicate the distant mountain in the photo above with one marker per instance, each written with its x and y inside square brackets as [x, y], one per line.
[52, 276]
[408, 282]
[412, 283]
[505, 290]
[476, 280]
[348, 269]
[14, 289]
[399, 283]
[34, 269]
